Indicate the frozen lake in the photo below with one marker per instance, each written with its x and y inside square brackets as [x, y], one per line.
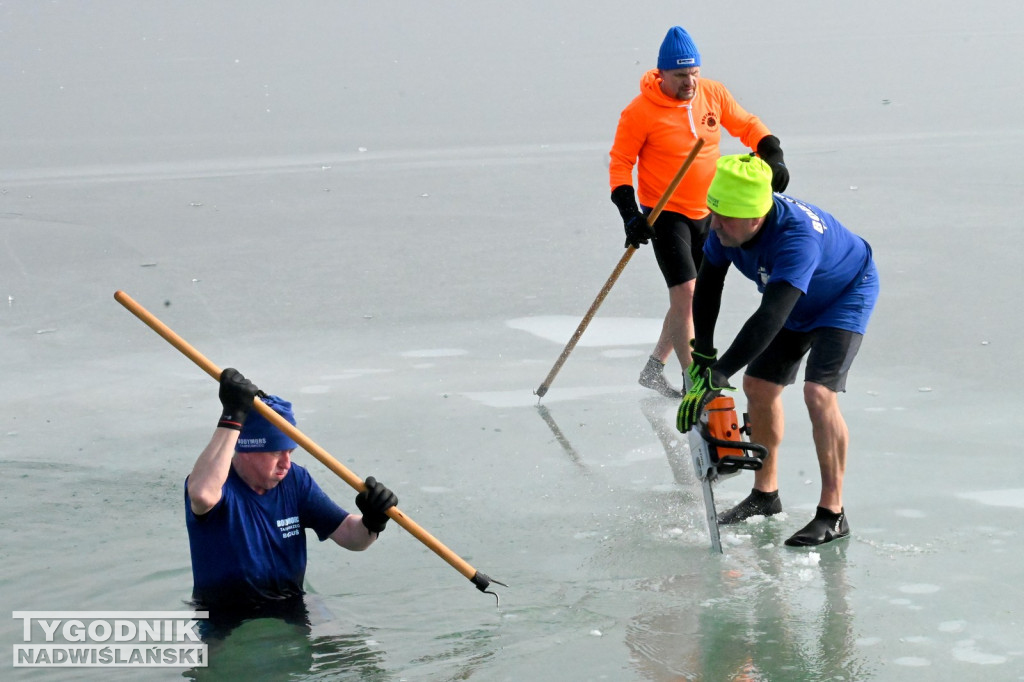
[394, 215]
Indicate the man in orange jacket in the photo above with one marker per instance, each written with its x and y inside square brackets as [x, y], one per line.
[656, 131]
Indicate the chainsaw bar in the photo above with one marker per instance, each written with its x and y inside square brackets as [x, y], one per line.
[719, 451]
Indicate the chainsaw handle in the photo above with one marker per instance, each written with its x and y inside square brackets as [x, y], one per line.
[735, 444]
[730, 462]
[752, 463]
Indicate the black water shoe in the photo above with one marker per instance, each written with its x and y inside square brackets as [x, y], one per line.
[653, 377]
[825, 527]
[757, 503]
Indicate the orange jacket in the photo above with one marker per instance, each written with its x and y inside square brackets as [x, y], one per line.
[656, 132]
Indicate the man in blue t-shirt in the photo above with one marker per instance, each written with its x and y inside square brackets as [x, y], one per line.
[247, 507]
[818, 286]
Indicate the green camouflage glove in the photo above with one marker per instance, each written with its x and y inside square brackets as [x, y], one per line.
[700, 362]
[707, 387]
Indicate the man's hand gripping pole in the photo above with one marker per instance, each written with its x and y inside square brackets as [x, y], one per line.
[481, 580]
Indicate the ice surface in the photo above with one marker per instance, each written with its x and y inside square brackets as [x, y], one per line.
[397, 215]
[996, 498]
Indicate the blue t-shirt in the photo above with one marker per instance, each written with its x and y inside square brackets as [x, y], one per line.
[808, 248]
[250, 548]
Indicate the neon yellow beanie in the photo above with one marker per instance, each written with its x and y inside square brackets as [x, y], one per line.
[742, 187]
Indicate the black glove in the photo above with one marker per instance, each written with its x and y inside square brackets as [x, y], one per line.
[373, 503]
[637, 229]
[236, 395]
[700, 361]
[708, 386]
[770, 151]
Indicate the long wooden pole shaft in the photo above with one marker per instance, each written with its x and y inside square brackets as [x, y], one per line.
[307, 444]
[543, 388]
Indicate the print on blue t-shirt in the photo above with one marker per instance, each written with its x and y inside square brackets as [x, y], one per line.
[251, 548]
[808, 248]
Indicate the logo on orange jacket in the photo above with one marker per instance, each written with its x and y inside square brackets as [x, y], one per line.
[710, 120]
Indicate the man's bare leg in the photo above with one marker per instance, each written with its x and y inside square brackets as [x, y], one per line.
[767, 424]
[676, 332]
[831, 440]
[677, 329]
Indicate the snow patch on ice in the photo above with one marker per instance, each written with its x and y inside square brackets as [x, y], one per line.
[602, 331]
[353, 374]
[623, 353]
[919, 588]
[434, 353]
[525, 398]
[809, 559]
[912, 661]
[734, 539]
[967, 652]
[916, 639]
[953, 626]
[997, 498]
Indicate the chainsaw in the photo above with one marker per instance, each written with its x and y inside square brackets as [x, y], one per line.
[720, 448]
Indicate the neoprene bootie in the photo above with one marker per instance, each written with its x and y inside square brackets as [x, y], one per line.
[826, 526]
[756, 503]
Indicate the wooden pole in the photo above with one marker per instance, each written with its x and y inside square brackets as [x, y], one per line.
[543, 388]
[479, 579]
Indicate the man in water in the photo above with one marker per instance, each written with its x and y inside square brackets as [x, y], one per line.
[247, 506]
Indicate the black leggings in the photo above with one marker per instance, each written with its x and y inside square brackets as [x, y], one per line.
[679, 245]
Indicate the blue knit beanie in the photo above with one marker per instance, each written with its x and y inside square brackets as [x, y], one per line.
[259, 435]
[677, 50]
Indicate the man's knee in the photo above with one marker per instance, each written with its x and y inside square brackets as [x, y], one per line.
[681, 296]
[760, 392]
[818, 398]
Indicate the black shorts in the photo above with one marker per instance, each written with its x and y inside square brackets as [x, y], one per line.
[832, 354]
[679, 245]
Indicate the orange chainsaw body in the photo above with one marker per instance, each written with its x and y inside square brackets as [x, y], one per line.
[723, 424]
